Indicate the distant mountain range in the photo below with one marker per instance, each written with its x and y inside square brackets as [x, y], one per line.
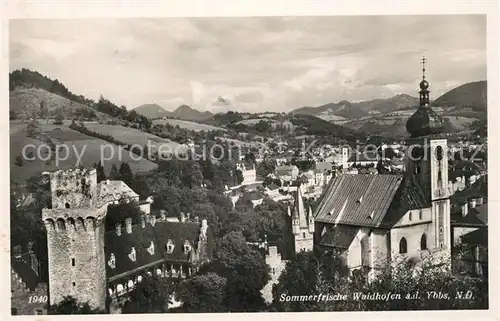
[471, 95]
[183, 112]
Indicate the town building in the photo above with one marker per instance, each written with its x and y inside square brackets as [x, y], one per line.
[287, 173]
[249, 173]
[97, 258]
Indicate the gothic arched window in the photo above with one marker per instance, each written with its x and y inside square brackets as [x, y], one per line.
[423, 242]
[403, 246]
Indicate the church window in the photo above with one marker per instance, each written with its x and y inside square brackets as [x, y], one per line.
[423, 242]
[170, 246]
[439, 153]
[409, 216]
[187, 247]
[403, 246]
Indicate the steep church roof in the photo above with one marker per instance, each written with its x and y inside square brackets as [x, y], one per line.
[360, 200]
[299, 210]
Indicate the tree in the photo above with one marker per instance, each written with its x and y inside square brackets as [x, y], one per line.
[101, 174]
[203, 293]
[59, 118]
[152, 295]
[304, 274]
[245, 270]
[239, 176]
[126, 173]
[114, 174]
[70, 305]
[43, 110]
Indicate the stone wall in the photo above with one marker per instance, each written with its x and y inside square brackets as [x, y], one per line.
[75, 241]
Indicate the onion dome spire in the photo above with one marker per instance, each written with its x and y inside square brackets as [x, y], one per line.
[424, 121]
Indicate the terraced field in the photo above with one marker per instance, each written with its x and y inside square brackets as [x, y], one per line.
[78, 149]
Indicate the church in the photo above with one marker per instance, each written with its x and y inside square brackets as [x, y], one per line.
[374, 220]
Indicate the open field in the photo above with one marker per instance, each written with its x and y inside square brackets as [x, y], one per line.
[91, 150]
[187, 124]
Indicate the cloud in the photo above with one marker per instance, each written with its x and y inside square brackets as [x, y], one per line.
[262, 63]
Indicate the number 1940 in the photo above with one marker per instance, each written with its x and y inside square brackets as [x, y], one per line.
[38, 299]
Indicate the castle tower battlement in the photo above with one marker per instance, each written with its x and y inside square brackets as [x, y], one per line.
[73, 188]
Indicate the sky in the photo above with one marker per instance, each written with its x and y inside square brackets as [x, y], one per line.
[255, 64]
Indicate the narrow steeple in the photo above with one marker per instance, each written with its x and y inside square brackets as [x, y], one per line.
[424, 121]
[424, 86]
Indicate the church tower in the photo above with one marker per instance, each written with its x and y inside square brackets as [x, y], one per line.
[302, 225]
[427, 161]
[75, 238]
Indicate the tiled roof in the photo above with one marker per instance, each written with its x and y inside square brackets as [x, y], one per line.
[159, 234]
[477, 237]
[360, 200]
[109, 191]
[339, 236]
[411, 195]
[477, 216]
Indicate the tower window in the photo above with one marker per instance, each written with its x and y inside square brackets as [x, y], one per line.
[66, 205]
[403, 246]
[440, 230]
[303, 235]
[420, 215]
[423, 242]
[409, 216]
[72, 261]
[74, 284]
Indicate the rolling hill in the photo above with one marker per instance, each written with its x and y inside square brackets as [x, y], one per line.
[183, 112]
[472, 95]
[152, 111]
[25, 103]
[345, 110]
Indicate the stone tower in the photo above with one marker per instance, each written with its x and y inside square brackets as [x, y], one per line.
[75, 238]
[427, 160]
[302, 225]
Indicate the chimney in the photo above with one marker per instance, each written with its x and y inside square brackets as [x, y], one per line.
[118, 227]
[128, 225]
[183, 217]
[472, 203]
[143, 221]
[163, 215]
[465, 210]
